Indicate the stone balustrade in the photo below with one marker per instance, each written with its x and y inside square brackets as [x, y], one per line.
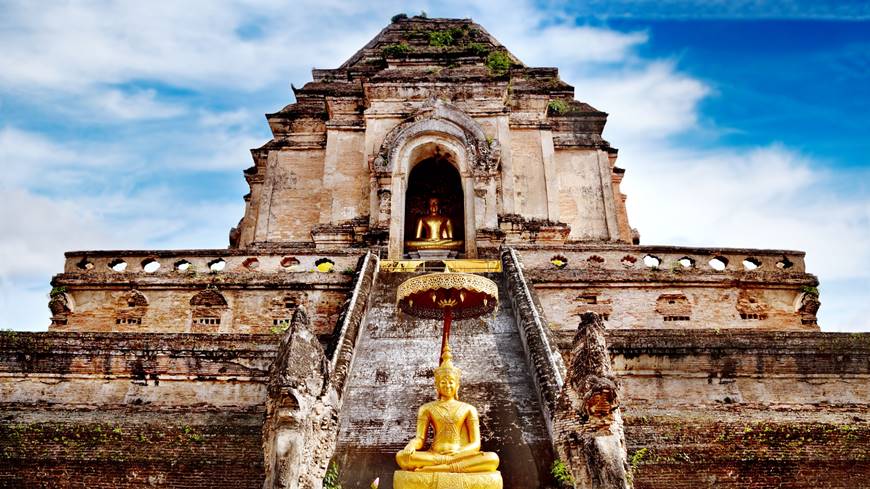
[626, 257]
[163, 262]
[226, 291]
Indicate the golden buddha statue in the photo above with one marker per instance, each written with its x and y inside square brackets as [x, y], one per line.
[434, 231]
[454, 456]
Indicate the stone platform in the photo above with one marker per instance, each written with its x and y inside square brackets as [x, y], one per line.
[433, 254]
[442, 480]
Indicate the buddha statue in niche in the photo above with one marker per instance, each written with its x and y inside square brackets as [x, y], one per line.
[454, 453]
[434, 231]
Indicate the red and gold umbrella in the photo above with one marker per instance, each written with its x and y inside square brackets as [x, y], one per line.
[447, 296]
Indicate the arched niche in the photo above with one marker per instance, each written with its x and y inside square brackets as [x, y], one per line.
[436, 177]
[425, 148]
[441, 128]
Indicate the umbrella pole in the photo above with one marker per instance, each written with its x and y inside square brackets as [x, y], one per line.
[445, 333]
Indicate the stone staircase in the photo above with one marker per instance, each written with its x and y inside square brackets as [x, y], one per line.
[392, 375]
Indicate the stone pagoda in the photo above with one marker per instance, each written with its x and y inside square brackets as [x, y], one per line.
[283, 359]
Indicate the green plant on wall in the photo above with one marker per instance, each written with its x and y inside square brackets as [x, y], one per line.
[56, 291]
[561, 474]
[349, 271]
[558, 106]
[396, 50]
[498, 63]
[810, 290]
[635, 461]
[479, 49]
[331, 479]
[447, 37]
[441, 38]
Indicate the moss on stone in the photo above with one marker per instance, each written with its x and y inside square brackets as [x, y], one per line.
[557, 107]
[396, 50]
[498, 62]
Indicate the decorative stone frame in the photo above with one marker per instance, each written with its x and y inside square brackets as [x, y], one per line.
[443, 127]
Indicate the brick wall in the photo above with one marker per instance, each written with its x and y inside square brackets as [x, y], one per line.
[745, 410]
[96, 410]
[119, 448]
[249, 302]
[701, 408]
[748, 448]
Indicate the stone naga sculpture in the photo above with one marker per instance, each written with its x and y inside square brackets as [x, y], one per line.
[301, 424]
[587, 423]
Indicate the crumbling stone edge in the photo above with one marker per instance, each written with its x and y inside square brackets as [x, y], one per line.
[542, 354]
[341, 361]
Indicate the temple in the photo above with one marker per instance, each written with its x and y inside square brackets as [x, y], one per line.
[284, 359]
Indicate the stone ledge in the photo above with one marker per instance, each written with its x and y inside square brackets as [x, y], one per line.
[137, 356]
[678, 342]
[171, 343]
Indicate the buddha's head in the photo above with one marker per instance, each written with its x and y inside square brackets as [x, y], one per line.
[433, 206]
[447, 377]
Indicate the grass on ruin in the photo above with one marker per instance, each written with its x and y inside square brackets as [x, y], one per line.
[635, 461]
[444, 38]
[56, 291]
[332, 478]
[557, 107]
[498, 62]
[561, 474]
[396, 50]
[810, 290]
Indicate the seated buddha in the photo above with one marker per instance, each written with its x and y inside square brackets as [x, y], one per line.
[455, 446]
[434, 231]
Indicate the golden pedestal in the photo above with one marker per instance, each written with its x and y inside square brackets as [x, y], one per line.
[446, 480]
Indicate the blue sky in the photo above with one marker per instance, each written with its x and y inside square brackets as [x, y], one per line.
[741, 123]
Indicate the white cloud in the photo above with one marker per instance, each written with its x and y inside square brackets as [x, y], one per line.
[226, 141]
[198, 44]
[764, 197]
[24, 304]
[74, 47]
[578, 45]
[647, 101]
[37, 231]
[232, 118]
[31, 160]
[140, 104]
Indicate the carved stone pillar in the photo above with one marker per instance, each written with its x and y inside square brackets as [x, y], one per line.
[384, 203]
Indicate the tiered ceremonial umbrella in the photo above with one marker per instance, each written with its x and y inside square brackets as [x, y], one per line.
[447, 296]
